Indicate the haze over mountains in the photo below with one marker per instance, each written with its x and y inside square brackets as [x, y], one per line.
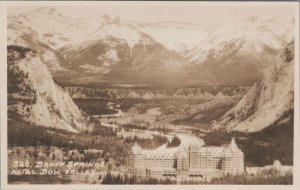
[104, 48]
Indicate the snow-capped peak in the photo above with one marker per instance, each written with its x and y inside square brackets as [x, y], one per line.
[119, 31]
[248, 36]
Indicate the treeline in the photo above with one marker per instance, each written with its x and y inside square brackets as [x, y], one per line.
[132, 126]
[126, 104]
[174, 142]
[272, 179]
[155, 142]
[100, 130]
[118, 179]
[38, 179]
[18, 51]
[163, 129]
[94, 107]
[244, 179]
[17, 79]
[27, 134]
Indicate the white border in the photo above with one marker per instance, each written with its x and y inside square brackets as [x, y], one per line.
[3, 99]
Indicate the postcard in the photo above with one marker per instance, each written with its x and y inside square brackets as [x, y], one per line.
[133, 94]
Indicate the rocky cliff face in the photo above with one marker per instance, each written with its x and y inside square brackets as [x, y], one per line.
[34, 97]
[267, 101]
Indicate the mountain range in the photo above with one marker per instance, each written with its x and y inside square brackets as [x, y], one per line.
[105, 48]
[270, 100]
[200, 93]
[44, 45]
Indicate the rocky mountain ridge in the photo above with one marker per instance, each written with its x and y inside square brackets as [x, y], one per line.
[268, 101]
[204, 93]
[34, 97]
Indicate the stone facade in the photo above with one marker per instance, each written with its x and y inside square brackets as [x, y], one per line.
[193, 160]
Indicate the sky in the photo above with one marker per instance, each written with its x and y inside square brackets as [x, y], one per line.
[190, 13]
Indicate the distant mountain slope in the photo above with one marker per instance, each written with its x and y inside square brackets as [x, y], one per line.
[235, 52]
[19, 33]
[105, 48]
[176, 36]
[121, 51]
[267, 101]
[253, 37]
[97, 48]
[56, 30]
[34, 97]
[201, 93]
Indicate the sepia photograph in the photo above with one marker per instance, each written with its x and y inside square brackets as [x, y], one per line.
[150, 93]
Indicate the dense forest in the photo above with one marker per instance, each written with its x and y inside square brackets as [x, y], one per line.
[118, 179]
[93, 107]
[26, 134]
[174, 142]
[155, 142]
[37, 179]
[270, 177]
[22, 133]
[263, 179]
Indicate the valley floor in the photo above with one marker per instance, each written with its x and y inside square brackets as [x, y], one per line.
[118, 124]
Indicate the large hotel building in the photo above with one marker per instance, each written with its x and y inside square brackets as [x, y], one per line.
[192, 160]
